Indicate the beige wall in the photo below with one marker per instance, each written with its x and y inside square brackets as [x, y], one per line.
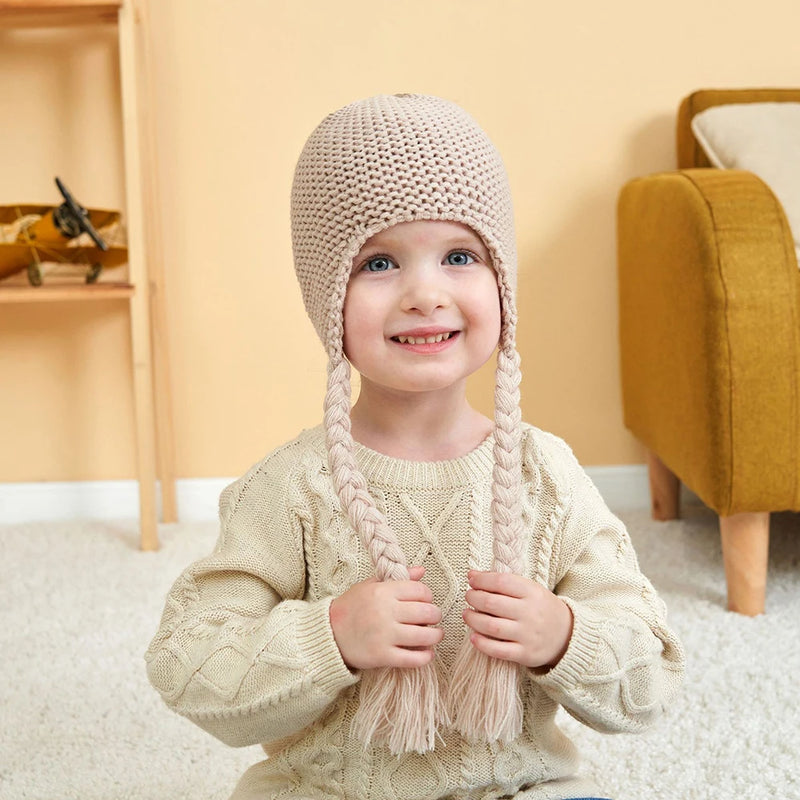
[578, 97]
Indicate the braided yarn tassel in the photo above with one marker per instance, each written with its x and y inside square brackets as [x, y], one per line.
[399, 708]
[484, 699]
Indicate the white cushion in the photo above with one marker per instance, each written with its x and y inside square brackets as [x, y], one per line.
[763, 138]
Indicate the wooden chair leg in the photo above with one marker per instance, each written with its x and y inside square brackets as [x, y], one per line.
[664, 489]
[745, 548]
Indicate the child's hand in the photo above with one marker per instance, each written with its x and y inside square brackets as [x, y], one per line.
[515, 619]
[386, 623]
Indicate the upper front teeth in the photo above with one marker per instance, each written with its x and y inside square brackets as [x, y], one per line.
[440, 337]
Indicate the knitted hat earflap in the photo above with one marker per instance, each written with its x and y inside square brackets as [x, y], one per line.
[371, 165]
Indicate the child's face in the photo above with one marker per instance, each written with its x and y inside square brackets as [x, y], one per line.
[422, 310]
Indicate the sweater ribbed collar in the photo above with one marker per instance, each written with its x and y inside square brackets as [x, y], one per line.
[379, 469]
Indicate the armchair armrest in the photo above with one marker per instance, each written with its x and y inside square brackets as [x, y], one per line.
[709, 334]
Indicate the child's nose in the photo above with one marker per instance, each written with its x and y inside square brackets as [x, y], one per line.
[425, 292]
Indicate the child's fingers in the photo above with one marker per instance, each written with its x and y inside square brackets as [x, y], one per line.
[506, 651]
[416, 573]
[410, 591]
[506, 583]
[417, 636]
[414, 613]
[498, 605]
[406, 658]
[494, 627]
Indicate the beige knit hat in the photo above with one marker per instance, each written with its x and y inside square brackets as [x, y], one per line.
[368, 166]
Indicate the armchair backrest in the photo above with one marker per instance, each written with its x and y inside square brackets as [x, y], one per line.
[690, 154]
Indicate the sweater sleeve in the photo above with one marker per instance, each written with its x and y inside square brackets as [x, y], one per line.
[239, 651]
[623, 665]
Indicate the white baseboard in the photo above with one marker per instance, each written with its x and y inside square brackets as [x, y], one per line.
[197, 500]
[624, 488]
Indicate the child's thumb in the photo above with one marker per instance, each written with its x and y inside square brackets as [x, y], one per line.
[416, 573]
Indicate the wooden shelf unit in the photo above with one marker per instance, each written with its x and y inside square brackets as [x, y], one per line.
[144, 293]
[50, 293]
[56, 14]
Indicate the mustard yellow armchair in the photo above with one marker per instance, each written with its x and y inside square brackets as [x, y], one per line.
[710, 344]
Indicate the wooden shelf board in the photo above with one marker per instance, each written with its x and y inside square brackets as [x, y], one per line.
[56, 13]
[66, 292]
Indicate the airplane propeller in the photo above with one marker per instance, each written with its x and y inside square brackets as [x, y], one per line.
[72, 219]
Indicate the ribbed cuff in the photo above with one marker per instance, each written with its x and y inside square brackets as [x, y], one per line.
[581, 653]
[319, 650]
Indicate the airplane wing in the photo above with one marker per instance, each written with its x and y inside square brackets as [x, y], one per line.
[16, 257]
[12, 213]
[99, 217]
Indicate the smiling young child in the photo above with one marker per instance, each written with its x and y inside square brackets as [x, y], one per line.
[402, 597]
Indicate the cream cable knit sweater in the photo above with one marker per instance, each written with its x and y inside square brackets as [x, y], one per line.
[245, 648]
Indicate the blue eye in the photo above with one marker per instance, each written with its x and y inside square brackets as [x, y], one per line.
[460, 258]
[379, 264]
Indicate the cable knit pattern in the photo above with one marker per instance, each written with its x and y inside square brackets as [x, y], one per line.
[245, 648]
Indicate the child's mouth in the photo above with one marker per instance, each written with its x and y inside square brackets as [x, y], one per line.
[435, 339]
[427, 345]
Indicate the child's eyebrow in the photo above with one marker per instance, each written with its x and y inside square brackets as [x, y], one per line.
[460, 238]
[467, 243]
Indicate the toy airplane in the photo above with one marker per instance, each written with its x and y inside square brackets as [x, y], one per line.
[31, 236]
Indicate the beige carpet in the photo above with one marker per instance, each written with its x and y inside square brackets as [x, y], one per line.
[79, 603]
